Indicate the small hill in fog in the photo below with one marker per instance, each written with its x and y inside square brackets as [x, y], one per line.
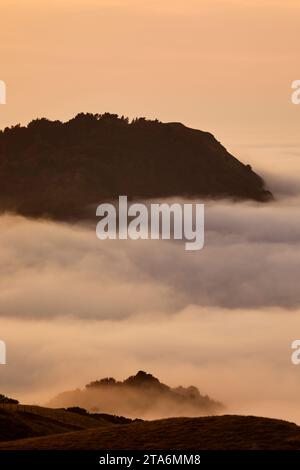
[63, 170]
[139, 396]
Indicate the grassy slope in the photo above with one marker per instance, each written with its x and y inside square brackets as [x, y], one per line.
[21, 424]
[215, 432]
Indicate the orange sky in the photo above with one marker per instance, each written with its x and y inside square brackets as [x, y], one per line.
[223, 66]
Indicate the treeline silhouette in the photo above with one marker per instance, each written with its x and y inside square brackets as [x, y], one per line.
[62, 170]
[6, 400]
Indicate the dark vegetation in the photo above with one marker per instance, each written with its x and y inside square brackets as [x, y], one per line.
[102, 416]
[63, 170]
[4, 399]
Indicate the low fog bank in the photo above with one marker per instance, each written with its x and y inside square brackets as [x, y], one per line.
[74, 308]
[251, 259]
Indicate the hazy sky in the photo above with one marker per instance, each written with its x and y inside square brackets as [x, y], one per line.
[222, 66]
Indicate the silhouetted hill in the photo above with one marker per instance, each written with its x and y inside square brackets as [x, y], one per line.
[139, 396]
[207, 433]
[61, 169]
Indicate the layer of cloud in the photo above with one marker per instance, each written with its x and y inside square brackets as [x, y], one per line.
[251, 259]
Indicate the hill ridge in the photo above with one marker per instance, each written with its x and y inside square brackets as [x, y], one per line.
[227, 432]
[65, 169]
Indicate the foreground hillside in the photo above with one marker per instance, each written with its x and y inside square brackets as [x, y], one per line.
[207, 433]
[20, 421]
[63, 170]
